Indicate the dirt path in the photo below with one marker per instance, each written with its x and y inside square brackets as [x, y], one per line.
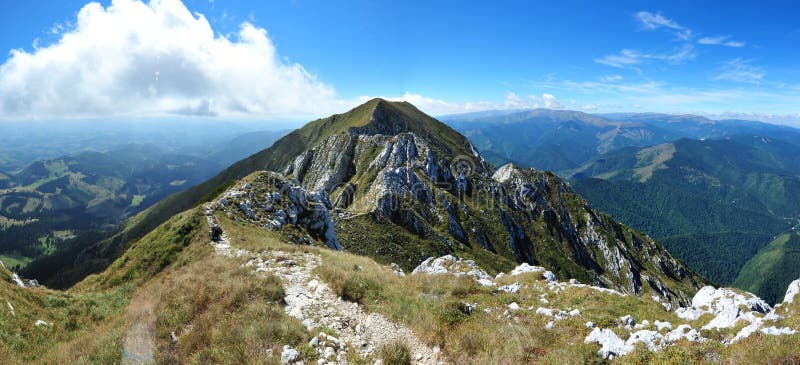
[313, 303]
[139, 345]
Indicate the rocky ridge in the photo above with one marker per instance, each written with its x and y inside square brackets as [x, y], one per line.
[397, 185]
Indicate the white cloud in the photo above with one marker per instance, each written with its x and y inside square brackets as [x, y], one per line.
[58, 28]
[152, 59]
[792, 119]
[589, 107]
[682, 55]
[739, 70]
[625, 58]
[721, 41]
[628, 57]
[514, 101]
[612, 88]
[652, 21]
[551, 102]
[611, 78]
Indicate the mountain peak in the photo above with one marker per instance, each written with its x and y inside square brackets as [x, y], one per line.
[383, 117]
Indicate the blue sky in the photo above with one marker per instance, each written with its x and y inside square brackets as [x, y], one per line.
[715, 58]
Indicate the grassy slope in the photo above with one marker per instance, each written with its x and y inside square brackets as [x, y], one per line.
[161, 272]
[14, 260]
[773, 268]
[72, 318]
[97, 305]
[429, 304]
[159, 275]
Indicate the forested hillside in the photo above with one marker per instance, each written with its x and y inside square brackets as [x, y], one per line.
[714, 203]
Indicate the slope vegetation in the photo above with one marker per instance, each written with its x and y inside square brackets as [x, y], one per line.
[714, 203]
[771, 270]
[265, 299]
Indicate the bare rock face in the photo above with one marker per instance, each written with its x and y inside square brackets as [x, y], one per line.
[454, 266]
[273, 202]
[791, 292]
[330, 163]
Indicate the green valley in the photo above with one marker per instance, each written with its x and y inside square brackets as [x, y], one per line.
[714, 203]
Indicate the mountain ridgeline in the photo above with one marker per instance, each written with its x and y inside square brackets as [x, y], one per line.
[400, 186]
[562, 140]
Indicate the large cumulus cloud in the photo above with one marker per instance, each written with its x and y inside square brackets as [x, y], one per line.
[141, 59]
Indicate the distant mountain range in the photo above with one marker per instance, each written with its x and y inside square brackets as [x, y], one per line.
[560, 140]
[23, 143]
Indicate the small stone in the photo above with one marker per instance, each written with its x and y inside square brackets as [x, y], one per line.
[289, 263]
[314, 342]
[289, 355]
[334, 339]
[511, 288]
[466, 308]
[628, 321]
[513, 306]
